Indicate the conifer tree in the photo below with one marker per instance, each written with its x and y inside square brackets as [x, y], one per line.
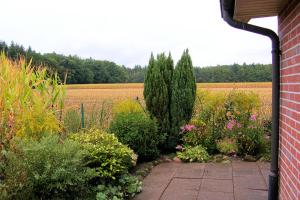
[183, 96]
[157, 90]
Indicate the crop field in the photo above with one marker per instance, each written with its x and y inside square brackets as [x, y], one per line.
[92, 95]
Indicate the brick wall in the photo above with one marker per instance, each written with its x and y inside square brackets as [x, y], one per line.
[289, 156]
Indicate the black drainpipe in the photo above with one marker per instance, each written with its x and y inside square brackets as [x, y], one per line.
[227, 9]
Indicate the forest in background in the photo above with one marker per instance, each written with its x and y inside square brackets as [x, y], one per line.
[89, 70]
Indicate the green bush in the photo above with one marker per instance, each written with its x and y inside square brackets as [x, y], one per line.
[193, 154]
[126, 187]
[49, 169]
[251, 141]
[105, 153]
[139, 132]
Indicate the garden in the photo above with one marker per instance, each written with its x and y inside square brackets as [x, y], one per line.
[47, 152]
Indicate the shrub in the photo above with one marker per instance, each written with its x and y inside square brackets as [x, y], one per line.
[227, 146]
[251, 141]
[194, 154]
[29, 101]
[47, 169]
[105, 153]
[139, 132]
[126, 187]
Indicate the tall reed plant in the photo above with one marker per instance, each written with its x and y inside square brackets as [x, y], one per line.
[30, 101]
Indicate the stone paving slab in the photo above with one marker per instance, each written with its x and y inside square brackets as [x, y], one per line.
[205, 195]
[182, 189]
[209, 181]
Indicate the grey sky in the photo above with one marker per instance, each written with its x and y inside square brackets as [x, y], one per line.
[127, 31]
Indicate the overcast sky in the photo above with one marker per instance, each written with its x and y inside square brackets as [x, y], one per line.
[127, 31]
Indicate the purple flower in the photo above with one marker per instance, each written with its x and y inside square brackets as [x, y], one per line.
[253, 117]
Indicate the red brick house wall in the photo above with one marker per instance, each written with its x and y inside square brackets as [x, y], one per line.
[289, 155]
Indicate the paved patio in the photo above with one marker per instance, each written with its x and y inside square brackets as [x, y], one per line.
[208, 181]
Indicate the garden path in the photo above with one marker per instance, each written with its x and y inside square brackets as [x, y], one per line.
[206, 181]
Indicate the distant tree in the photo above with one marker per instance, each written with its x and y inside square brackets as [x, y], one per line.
[183, 96]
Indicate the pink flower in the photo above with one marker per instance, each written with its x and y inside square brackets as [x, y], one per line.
[253, 117]
[238, 125]
[187, 127]
[231, 124]
[179, 147]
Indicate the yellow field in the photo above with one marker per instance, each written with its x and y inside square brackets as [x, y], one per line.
[94, 94]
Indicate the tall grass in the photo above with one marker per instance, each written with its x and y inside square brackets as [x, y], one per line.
[98, 116]
[30, 100]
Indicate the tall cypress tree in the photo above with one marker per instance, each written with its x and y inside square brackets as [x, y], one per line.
[183, 96]
[157, 90]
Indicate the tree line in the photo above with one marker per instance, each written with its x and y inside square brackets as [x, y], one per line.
[80, 71]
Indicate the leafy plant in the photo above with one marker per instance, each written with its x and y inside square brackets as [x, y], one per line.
[126, 187]
[193, 154]
[251, 141]
[50, 168]
[109, 157]
[227, 146]
[139, 132]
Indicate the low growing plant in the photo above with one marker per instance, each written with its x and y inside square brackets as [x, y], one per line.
[227, 146]
[193, 154]
[109, 157]
[50, 168]
[126, 187]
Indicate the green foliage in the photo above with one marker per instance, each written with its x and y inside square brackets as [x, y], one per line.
[139, 132]
[105, 153]
[125, 188]
[234, 73]
[183, 96]
[157, 90]
[227, 146]
[29, 101]
[47, 169]
[250, 141]
[194, 154]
